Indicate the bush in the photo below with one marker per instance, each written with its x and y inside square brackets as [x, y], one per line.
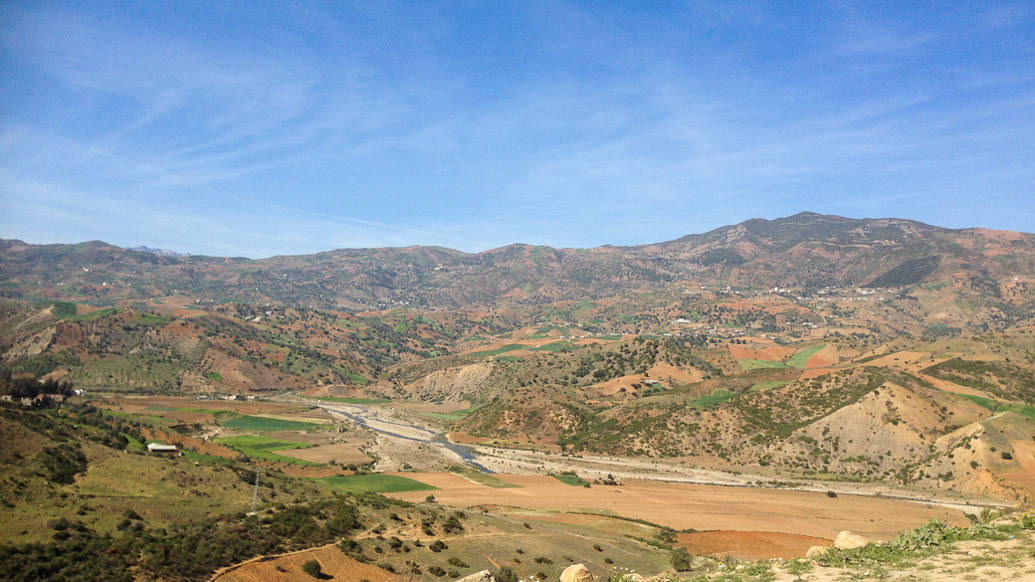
[312, 567]
[682, 561]
[831, 494]
[506, 574]
[438, 546]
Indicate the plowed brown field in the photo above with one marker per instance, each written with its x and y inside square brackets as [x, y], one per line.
[701, 507]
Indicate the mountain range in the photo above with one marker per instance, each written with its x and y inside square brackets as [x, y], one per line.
[805, 250]
[812, 345]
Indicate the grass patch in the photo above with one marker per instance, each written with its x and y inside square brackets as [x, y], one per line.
[986, 402]
[509, 359]
[260, 424]
[95, 315]
[499, 350]
[214, 376]
[454, 416]
[62, 309]
[376, 483]
[358, 379]
[799, 359]
[570, 478]
[209, 459]
[1025, 410]
[260, 447]
[717, 397]
[748, 364]
[768, 385]
[479, 477]
[561, 346]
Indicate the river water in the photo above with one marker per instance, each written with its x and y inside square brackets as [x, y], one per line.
[409, 432]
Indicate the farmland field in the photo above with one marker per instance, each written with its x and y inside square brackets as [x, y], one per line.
[752, 364]
[378, 483]
[340, 453]
[799, 359]
[716, 397]
[261, 447]
[263, 424]
[701, 507]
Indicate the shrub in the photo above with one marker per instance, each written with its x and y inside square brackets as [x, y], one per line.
[506, 574]
[1028, 521]
[312, 567]
[831, 494]
[682, 561]
[437, 546]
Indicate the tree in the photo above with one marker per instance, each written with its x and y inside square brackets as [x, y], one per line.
[505, 574]
[313, 568]
[682, 561]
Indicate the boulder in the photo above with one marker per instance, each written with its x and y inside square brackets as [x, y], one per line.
[483, 576]
[577, 573]
[816, 551]
[847, 540]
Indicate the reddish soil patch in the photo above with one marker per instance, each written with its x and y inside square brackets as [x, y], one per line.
[672, 374]
[761, 352]
[749, 545]
[824, 358]
[816, 372]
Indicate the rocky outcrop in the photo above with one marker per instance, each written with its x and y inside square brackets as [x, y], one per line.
[816, 551]
[483, 576]
[847, 540]
[577, 573]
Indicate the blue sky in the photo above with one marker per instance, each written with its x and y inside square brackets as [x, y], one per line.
[255, 129]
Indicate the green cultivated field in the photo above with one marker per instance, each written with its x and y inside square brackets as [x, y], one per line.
[751, 364]
[376, 483]
[569, 478]
[768, 385]
[716, 397]
[801, 358]
[260, 424]
[559, 346]
[449, 416]
[500, 350]
[260, 447]
[798, 360]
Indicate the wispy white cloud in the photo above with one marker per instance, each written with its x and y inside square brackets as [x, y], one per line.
[355, 126]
